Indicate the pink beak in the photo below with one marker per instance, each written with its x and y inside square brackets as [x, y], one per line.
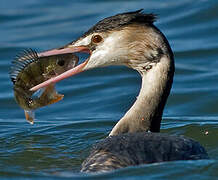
[66, 74]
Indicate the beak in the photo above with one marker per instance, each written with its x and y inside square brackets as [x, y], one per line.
[67, 49]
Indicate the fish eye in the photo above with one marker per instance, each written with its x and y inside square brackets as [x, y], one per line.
[61, 62]
[96, 38]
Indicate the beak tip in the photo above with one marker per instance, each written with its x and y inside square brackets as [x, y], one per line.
[71, 72]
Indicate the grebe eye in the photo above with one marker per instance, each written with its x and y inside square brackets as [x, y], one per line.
[61, 62]
[96, 39]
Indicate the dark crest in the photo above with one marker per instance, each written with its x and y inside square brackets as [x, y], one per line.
[119, 20]
[21, 61]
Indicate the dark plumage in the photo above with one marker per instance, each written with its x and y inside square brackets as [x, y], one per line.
[141, 148]
[121, 20]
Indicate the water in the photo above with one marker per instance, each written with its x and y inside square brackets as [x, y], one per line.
[55, 146]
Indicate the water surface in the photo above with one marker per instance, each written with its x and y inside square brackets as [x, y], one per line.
[55, 146]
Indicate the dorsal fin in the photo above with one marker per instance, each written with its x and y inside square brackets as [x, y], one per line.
[21, 61]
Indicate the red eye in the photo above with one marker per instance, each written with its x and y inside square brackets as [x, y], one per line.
[96, 39]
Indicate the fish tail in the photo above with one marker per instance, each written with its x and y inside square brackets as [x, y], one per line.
[30, 116]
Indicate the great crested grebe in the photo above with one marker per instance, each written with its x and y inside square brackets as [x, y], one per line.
[132, 40]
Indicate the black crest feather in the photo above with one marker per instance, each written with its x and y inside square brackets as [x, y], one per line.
[21, 61]
[119, 20]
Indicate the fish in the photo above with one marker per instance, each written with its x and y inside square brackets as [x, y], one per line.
[28, 70]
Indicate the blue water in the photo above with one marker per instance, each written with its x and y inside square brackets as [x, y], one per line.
[63, 133]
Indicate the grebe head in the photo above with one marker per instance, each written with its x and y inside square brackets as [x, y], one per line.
[128, 39]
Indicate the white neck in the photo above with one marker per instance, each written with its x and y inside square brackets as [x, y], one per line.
[146, 112]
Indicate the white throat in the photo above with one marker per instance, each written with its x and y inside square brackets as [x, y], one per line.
[146, 112]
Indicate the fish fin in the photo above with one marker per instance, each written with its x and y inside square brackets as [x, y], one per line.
[38, 93]
[30, 116]
[56, 98]
[21, 61]
[51, 95]
[26, 55]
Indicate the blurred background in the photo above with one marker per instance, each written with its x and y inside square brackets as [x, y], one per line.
[63, 133]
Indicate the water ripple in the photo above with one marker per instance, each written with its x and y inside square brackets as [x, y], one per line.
[63, 134]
